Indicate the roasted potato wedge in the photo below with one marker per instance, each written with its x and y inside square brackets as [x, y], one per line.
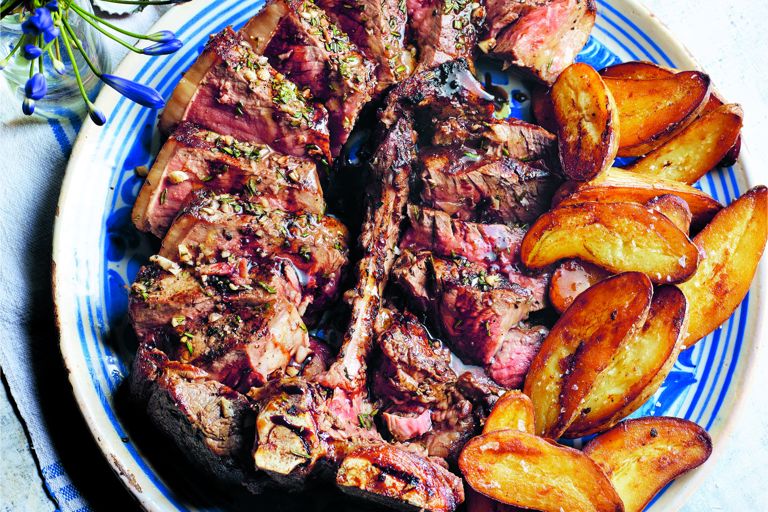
[618, 185]
[730, 158]
[580, 345]
[514, 411]
[642, 456]
[637, 70]
[674, 208]
[523, 470]
[696, 149]
[731, 245]
[619, 237]
[587, 122]
[652, 111]
[635, 365]
[570, 278]
[541, 106]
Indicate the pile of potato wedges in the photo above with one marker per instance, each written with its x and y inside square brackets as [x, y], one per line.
[644, 265]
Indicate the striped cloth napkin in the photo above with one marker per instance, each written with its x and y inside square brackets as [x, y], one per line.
[33, 157]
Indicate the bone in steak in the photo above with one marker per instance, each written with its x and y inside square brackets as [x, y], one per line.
[194, 158]
[231, 90]
[302, 42]
[212, 225]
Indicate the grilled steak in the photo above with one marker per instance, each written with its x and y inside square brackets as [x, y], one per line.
[500, 14]
[211, 423]
[444, 29]
[546, 39]
[302, 42]
[385, 205]
[194, 158]
[399, 478]
[221, 227]
[510, 364]
[466, 185]
[378, 28]
[238, 322]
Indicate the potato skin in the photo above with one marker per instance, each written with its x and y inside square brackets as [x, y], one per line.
[587, 122]
[523, 470]
[570, 278]
[641, 456]
[580, 345]
[732, 245]
[674, 208]
[514, 411]
[619, 237]
[653, 111]
[637, 70]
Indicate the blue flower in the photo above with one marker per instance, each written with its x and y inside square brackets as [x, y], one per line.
[53, 6]
[31, 52]
[139, 93]
[162, 36]
[96, 115]
[36, 87]
[163, 48]
[41, 23]
[28, 107]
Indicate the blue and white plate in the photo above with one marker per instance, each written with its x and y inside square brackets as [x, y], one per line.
[97, 253]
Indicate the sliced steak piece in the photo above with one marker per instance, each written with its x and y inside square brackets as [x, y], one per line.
[546, 39]
[474, 309]
[523, 141]
[500, 14]
[233, 91]
[511, 363]
[444, 29]
[399, 478]
[378, 28]
[193, 158]
[238, 322]
[481, 391]
[468, 186]
[385, 205]
[214, 227]
[301, 41]
[299, 436]
[494, 246]
[211, 423]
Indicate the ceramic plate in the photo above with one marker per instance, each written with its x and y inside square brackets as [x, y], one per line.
[97, 253]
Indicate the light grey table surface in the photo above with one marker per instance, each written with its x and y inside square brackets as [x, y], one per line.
[730, 41]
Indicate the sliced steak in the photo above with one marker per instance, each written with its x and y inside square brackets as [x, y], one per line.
[193, 158]
[233, 91]
[546, 39]
[499, 14]
[222, 227]
[398, 478]
[444, 29]
[211, 424]
[511, 363]
[378, 28]
[468, 186]
[302, 42]
[385, 205]
[238, 322]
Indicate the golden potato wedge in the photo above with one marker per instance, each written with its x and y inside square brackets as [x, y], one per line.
[696, 150]
[643, 455]
[618, 185]
[619, 237]
[674, 208]
[652, 111]
[570, 278]
[731, 245]
[526, 471]
[637, 70]
[542, 109]
[514, 410]
[636, 365]
[587, 122]
[730, 158]
[581, 344]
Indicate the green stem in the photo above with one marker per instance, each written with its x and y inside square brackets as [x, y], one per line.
[40, 58]
[75, 69]
[145, 2]
[79, 46]
[8, 7]
[13, 51]
[98, 27]
[83, 13]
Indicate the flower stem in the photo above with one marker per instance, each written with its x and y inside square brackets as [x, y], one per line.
[83, 13]
[146, 2]
[13, 51]
[98, 27]
[70, 53]
[79, 46]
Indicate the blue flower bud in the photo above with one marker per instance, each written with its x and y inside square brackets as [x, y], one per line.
[58, 66]
[162, 36]
[39, 22]
[51, 34]
[36, 87]
[28, 107]
[163, 48]
[31, 52]
[53, 6]
[96, 115]
[139, 93]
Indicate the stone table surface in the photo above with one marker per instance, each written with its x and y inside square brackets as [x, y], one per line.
[730, 41]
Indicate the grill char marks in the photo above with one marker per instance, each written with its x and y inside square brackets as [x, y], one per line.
[194, 158]
[233, 91]
[302, 42]
[378, 28]
[313, 246]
